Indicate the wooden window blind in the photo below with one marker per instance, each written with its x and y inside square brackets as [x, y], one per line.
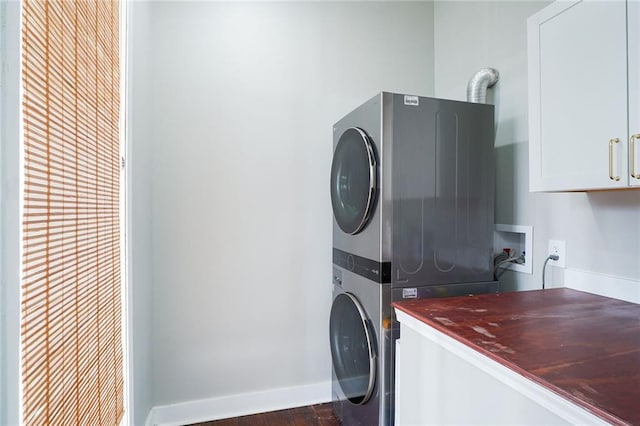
[71, 330]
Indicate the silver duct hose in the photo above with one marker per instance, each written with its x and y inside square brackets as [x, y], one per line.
[479, 83]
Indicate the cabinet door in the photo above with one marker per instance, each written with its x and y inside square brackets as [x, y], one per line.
[634, 91]
[578, 96]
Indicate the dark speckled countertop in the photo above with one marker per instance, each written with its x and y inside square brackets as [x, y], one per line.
[579, 345]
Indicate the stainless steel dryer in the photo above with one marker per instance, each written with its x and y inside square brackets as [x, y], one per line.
[412, 191]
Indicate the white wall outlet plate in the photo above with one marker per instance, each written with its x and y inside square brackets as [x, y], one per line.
[558, 247]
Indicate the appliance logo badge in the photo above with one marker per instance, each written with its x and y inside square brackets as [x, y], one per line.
[411, 100]
[409, 293]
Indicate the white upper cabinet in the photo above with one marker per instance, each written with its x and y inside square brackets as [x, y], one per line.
[584, 90]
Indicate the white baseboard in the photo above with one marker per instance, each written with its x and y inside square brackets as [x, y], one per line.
[239, 405]
[603, 285]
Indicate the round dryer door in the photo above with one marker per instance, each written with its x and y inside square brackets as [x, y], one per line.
[353, 180]
[352, 348]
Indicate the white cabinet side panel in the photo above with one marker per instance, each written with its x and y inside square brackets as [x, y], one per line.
[443, 381]
[633, 28]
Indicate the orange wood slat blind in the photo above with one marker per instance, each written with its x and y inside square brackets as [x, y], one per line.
[72, 355]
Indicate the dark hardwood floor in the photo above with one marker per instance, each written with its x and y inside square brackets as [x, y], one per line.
[313, 415]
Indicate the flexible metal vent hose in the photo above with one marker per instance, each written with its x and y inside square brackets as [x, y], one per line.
[479, 83]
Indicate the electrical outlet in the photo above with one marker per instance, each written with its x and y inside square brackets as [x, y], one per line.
[558, 247]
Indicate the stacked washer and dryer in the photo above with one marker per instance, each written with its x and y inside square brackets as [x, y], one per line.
[412, 191]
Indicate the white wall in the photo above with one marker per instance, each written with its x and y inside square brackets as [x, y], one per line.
[10, 223]
[138, 209]
[243, 101]
[601, 229]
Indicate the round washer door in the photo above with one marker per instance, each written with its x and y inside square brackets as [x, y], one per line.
[352, 348]
[353, 180]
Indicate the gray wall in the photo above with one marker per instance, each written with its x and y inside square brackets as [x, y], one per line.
[244, 96]
[138, 210]
[602, 229]
[10, 221]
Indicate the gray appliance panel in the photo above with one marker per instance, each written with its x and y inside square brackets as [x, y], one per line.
[442, 192]
[447, 290]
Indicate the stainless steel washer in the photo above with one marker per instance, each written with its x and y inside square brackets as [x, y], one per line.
[359, 347]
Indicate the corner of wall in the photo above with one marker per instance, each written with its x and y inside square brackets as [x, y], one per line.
[432, 50]
[138, 228]
[10, 160]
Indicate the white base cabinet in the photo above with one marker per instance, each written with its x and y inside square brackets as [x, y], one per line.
[442, 381]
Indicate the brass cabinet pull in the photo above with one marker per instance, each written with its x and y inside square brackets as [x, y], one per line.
[611, 142]
[632, 154]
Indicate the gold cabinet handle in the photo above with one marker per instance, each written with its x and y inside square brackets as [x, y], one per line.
[632, 155]
[611, 142]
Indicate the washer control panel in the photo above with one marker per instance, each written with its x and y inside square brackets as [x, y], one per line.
[379, 272]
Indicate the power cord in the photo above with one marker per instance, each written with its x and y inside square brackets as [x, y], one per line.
[550, 257]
